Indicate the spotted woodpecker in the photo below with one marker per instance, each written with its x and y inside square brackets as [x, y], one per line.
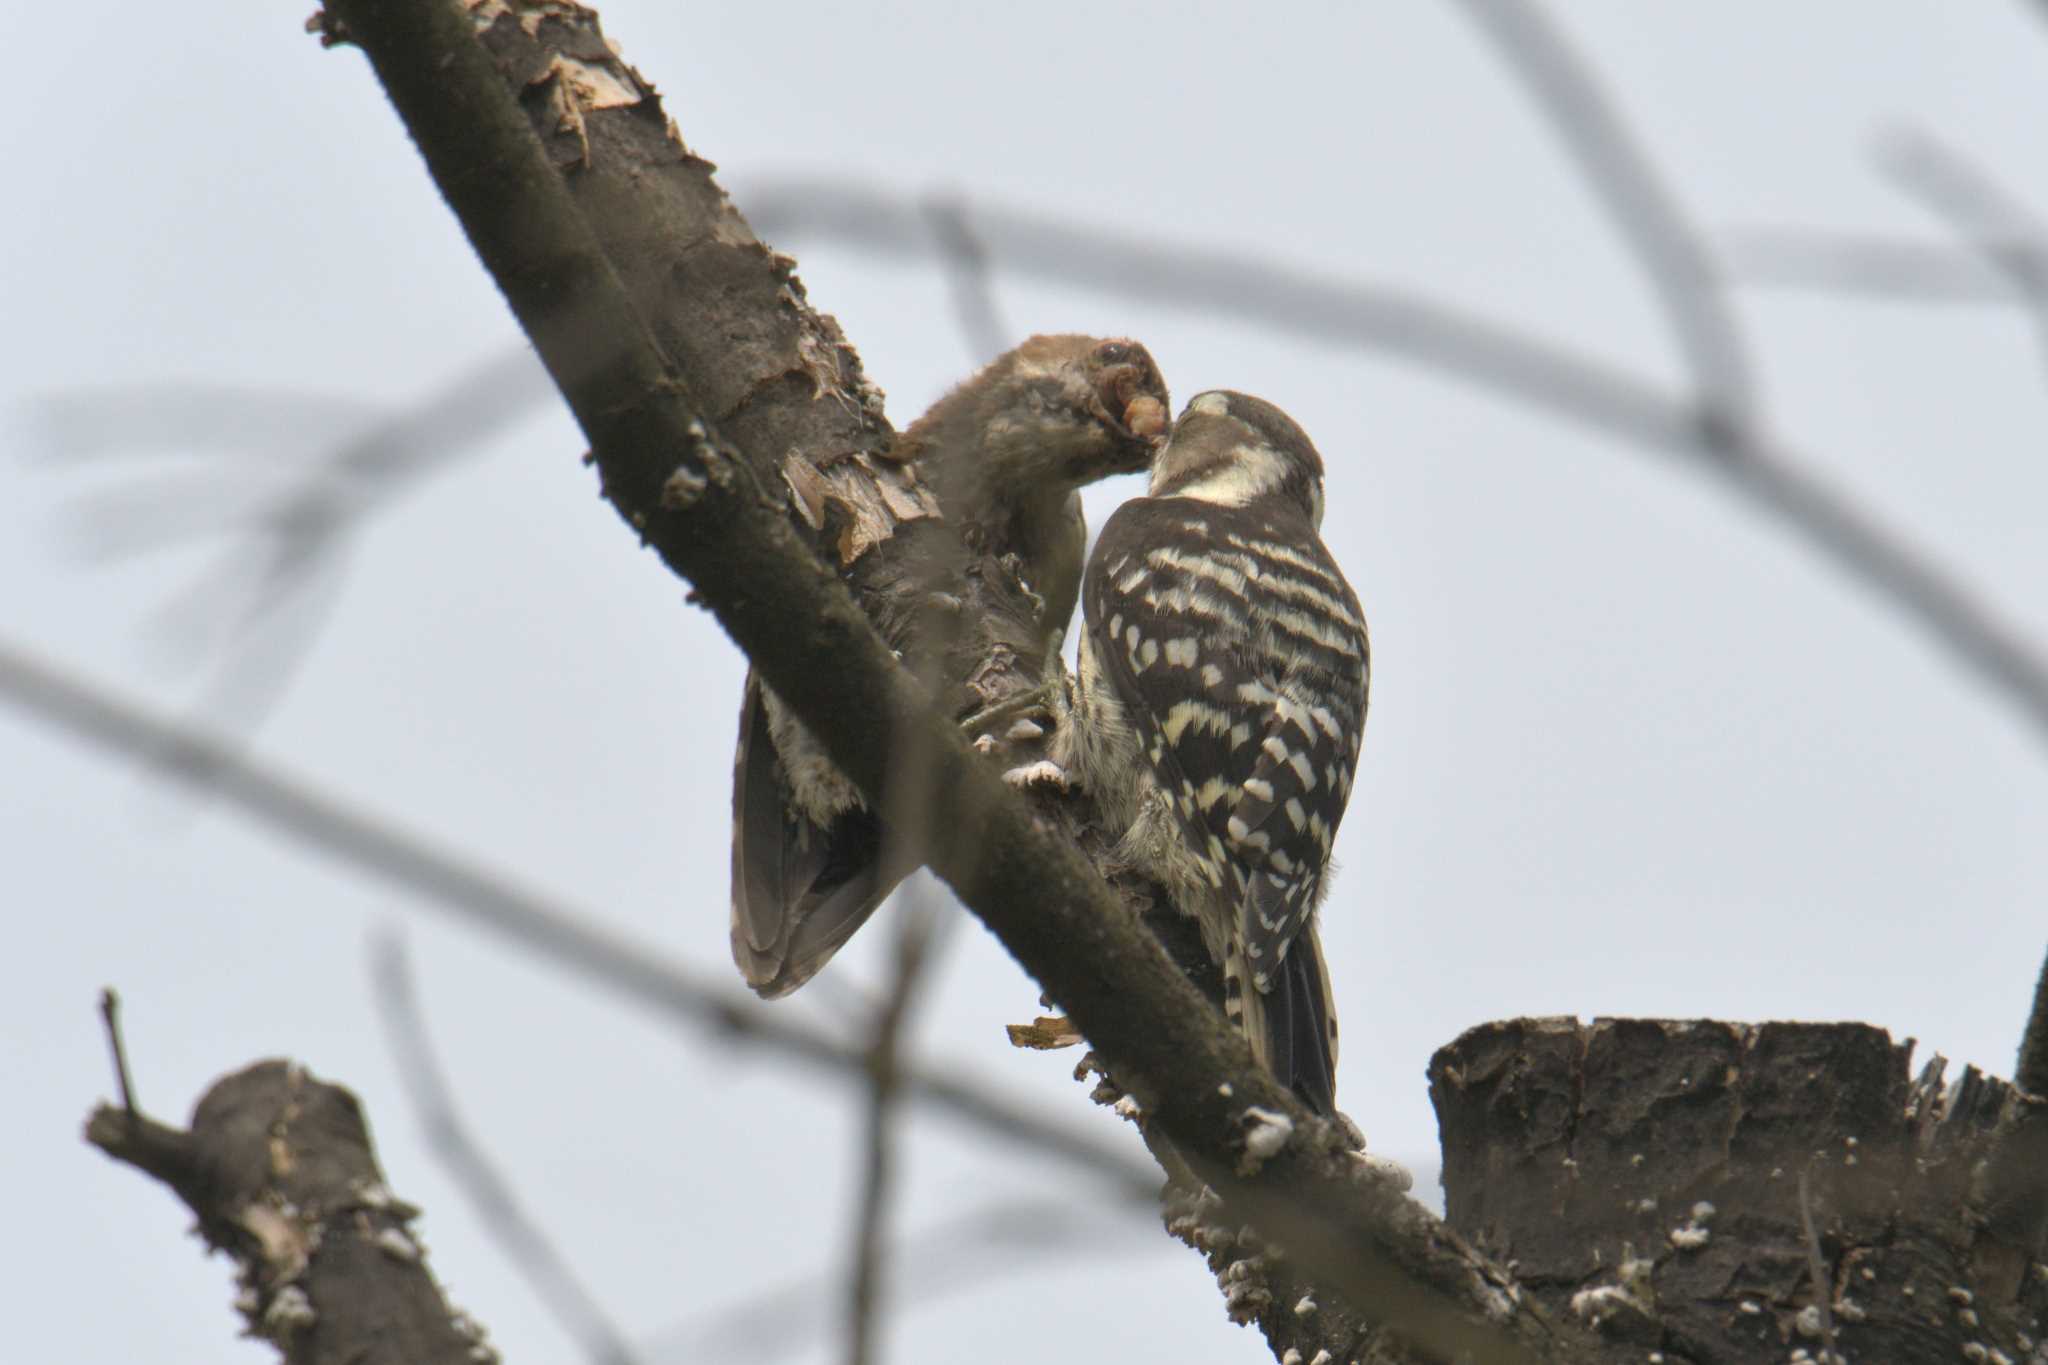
[974, 604]
[1217, 711]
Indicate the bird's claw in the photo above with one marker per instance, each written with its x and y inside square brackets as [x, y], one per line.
[1043, 773]
[1012, 707]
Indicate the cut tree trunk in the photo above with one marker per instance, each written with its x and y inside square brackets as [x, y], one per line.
[1684, 1184]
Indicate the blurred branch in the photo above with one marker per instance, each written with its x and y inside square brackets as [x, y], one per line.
[1677, 264]
[909, 811]
[964, 1251]
[491, 1196]
[918, 922]
[298, 537]
[1545, 373]
[1885, 267]
[484, 899]
[1217, 283]
[1990, 219]
[191, 418]
[1689, 282]
[965, 261]
[2004, 260]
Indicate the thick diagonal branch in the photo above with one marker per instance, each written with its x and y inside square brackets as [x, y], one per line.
[667, 463]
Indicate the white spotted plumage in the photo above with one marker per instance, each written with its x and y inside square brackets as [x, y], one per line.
[1219, 707]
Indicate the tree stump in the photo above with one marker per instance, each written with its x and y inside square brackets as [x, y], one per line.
[1707, 1192]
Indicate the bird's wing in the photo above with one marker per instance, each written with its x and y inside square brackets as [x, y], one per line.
[1242, 657]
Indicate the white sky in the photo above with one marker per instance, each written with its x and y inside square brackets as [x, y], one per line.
[1633, 748]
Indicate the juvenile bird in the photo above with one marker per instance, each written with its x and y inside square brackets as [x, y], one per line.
[1218, 708]
[973, 603]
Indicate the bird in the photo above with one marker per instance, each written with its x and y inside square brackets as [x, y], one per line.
[1217, 710]
[974, 603]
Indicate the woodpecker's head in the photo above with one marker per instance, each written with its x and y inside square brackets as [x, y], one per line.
[1057, 411]
[1233, 449]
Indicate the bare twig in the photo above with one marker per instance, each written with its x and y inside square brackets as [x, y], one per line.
[272, 592]
[189, 417]
[110, 1015]
[1677, 263]
[1858, 263]
[483, 899]
[1990, 219]
[1543, 372]
[909, 811]
[987, 1243]
[494, 1198]
[965, 260]
[1303, 302]
[918, 923]
[1546, 373]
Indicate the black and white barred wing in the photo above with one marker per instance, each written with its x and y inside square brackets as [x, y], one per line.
[1242, 655]
[1309, 690]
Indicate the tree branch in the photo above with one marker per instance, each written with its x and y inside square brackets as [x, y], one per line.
[917, 926]
[1545, 373]
[1863, 263]
[278, 1169]
[1677, 262]
[1990, 219]
[494, 1198]
[480, 898]
[967, 1250]
[965, 260]
[459, 79]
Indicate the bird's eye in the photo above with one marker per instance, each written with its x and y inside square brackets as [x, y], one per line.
[1113, 352]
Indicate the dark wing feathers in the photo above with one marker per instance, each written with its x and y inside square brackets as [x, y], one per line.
[1243, 653]
[799, 890]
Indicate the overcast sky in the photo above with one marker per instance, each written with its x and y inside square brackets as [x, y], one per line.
[1634, 748]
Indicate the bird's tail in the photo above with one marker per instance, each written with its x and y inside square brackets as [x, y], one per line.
[799, 889]
[1292, 1025]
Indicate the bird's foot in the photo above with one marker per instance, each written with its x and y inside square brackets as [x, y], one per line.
[1016, 707]
[1042, 773]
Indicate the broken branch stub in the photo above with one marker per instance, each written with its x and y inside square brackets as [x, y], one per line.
[278, 1168]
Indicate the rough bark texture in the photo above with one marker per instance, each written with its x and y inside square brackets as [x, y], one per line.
[1647, 1175]
[755, 360]
[279, 1170]
[709, 392]
[491, 130]
[2031, 1072]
